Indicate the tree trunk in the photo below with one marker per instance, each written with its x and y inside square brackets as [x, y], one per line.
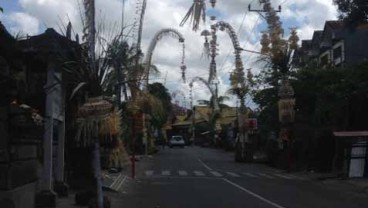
[97, 172]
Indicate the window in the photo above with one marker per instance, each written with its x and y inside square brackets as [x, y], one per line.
[337, 53]
[324, 60]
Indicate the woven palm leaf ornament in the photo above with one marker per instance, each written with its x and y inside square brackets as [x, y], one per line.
[196, 13]
[206, 45]
[183, 67]
[94, 119]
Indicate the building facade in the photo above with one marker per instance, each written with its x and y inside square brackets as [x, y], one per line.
[335, 45]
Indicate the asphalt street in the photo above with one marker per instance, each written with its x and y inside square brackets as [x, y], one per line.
[203, 177]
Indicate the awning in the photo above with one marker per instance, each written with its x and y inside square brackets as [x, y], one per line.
[350, 133]
[206, 132]
[187, 123]
[182, 123]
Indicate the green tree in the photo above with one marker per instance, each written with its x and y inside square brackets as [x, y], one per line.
[121, 60]
[334, 97]
[353, 11]
[159, 116]
[160, 113]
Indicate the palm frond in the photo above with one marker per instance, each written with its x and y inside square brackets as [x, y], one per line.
[76, 89]
[196, 12]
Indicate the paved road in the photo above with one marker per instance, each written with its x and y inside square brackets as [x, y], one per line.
[202, 177]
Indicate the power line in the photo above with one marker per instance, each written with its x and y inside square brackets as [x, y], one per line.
[284, 2]
[252, 31]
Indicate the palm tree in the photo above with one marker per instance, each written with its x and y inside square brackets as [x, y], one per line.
[121, 60]
[215, 115]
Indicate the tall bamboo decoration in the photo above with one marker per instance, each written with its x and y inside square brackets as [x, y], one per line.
[141, 10]
[238, 81]
[158, 36]
[239, 88]
[280, 53]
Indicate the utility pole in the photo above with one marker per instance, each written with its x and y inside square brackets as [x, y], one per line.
[122, 18]
[261, 10]
[120, 74]
[165, 79]
[193, 112]
[285, 94]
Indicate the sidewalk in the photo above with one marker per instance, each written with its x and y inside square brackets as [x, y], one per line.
[112, 186]
[352, 185]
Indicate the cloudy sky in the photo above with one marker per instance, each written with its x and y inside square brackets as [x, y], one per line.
[30, 17]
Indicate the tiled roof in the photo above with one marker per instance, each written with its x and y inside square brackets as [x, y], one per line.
[335, 24]
[203, 113]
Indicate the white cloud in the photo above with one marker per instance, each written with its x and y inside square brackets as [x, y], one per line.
[309, 15]
[23, 23]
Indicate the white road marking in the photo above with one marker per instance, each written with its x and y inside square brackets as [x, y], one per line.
[198, 173]
[116, 180]
[206, 166]
[183, 172]
[266, 176]
[299, 177]
[165, 173]
[149, 172]
[250, 175]
[217, 174]
[121, 183]
[254, 194]
[233, 174]
[110, 177]
[283, 176]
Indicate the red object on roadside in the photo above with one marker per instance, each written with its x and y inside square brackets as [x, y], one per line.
[252, 123]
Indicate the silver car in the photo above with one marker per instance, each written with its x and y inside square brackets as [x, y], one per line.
[177, 141]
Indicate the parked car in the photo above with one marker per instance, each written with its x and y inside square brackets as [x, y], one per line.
[260, 157]
[177, 141]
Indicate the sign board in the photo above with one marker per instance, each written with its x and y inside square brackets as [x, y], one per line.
[252, 123]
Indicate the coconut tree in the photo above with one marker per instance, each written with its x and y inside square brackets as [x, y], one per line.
[123, 72]
[89, 76]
